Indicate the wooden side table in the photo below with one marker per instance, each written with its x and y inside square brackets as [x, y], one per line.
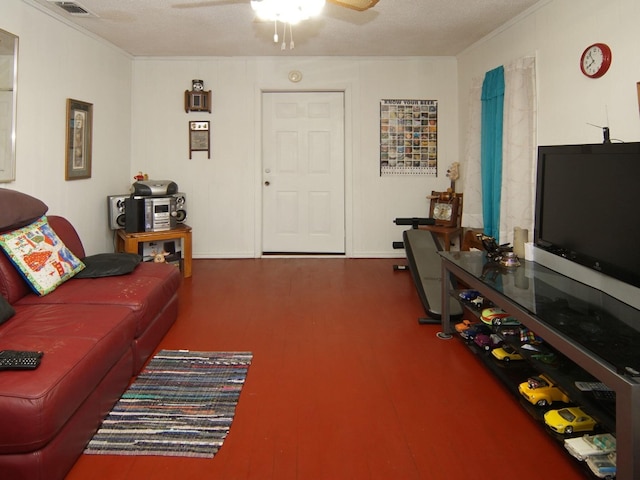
[446, 234]
[128, 242]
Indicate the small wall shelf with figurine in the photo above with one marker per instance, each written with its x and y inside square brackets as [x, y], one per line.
[197, 99]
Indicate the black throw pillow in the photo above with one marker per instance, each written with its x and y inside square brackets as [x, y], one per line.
[18, 209]
[109, 265]
[6, 310]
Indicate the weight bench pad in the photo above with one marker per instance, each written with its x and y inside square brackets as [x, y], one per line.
[425, 266]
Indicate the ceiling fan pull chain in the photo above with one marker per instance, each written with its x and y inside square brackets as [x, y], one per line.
[291, 44]
[284, 37]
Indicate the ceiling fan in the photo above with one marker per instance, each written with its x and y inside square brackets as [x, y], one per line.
[360, 5]
[285, 12]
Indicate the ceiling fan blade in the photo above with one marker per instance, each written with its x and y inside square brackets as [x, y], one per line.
[207, 3]
[360, 5]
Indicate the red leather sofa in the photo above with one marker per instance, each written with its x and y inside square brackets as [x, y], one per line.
[96, 333]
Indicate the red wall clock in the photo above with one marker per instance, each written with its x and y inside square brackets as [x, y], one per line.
[595, 60]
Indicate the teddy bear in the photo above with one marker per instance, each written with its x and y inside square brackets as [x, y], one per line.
[160, 257]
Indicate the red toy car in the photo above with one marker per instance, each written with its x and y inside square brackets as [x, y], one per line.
[488, 342]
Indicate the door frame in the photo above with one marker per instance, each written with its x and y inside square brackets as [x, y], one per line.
[348, 169]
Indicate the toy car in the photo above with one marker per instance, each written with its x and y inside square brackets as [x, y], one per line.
[471, 332]
[463, 325]
[510, 331]
[506, 353]
[477, 302]
[469, 295]
[603, 466]
[497, 317]
[590, 445]
[488, 342]
[488, 315]
[569, 420]
[505, 321]
[540, 390]
[548, 358]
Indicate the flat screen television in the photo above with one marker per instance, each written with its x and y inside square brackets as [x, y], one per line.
[588, 204]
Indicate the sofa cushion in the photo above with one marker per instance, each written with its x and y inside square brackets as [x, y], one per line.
[146, 291]
[81, 344]
[19, 209]
[37, 251]
[109, 265]
[12, 283]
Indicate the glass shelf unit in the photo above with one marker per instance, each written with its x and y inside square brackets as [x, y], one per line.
[599, 334]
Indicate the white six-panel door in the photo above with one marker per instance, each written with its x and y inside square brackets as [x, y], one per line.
[303, 172]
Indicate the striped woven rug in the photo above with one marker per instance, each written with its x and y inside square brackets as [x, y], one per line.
[181, 404]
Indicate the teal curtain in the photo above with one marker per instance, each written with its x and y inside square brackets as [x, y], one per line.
[491, 149]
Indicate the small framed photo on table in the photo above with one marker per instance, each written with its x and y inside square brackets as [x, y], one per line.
[79, 136]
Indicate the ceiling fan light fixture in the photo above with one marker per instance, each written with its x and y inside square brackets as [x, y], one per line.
[287, 11]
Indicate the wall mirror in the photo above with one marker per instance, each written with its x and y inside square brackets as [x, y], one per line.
[8, 91]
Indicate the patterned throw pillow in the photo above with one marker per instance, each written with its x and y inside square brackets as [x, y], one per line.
[40, 256]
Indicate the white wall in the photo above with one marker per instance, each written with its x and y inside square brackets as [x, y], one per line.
[140, 123]
[557, 32]
[224, 192]
[57, 62]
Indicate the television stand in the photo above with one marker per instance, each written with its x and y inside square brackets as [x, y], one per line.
[595, 336]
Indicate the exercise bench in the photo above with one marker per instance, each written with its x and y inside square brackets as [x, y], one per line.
[424, 263]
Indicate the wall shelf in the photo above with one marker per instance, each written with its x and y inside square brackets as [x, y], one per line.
[197, 101]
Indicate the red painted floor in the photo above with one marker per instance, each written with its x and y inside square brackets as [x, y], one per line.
[345, 384]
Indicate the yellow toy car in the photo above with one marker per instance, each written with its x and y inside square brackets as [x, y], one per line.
[506, 353]
[569, 420]
[540, 390]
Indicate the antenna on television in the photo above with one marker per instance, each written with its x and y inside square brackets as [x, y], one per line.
[605, 133]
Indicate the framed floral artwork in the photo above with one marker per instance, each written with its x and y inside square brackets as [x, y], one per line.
[79, 135]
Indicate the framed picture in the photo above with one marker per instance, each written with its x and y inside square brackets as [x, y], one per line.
[408, 137]
[79, 135]
[199, 138]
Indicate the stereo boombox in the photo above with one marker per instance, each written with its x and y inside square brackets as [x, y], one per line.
[145, 213]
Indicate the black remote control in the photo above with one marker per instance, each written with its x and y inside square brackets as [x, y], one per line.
[19, 360]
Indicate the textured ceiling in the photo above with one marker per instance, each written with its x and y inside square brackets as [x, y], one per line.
[229, 27]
